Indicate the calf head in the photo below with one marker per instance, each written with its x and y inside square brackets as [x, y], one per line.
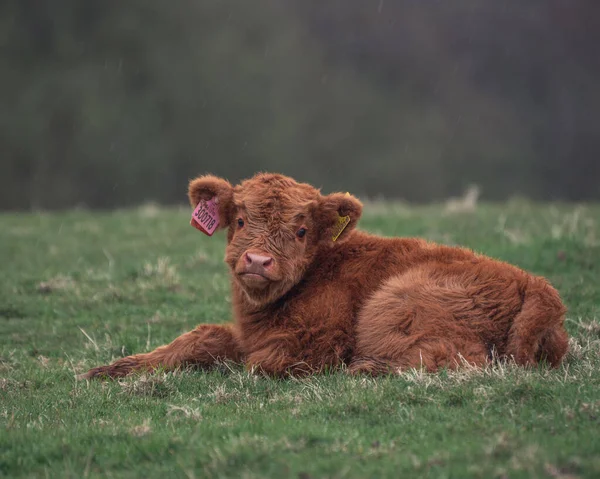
[276, 227]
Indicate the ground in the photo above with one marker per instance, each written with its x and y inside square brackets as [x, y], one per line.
[79, 289]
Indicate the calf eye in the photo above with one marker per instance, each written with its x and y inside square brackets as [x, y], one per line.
[301, 232]
[240, 222]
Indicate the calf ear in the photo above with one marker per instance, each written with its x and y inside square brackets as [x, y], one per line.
[208, 187]
[336, 216]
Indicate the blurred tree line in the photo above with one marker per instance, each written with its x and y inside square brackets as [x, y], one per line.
[109, 103]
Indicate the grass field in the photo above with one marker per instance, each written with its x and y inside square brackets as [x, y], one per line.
[79, 289]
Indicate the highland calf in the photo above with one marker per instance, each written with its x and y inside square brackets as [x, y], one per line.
[310, 292]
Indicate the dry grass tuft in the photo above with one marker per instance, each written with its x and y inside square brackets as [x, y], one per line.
[142, 430]
[221, 394]
[149, 210]
[568, 224]
[467, 203]
[162, 274]
[584, 351]
[58, 283]
[44, 361]
[201, 257]
[590, 328]
[6, 363]
[557, 473]
[513, 235]
[87, 227]
[152, 385]
[185, 412]
[8, 384]
[398, 209]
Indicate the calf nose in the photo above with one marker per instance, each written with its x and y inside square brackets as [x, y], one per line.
[258, 260]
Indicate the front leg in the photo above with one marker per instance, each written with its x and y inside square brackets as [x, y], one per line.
[285, 360]
[203, 347]
[277, 364]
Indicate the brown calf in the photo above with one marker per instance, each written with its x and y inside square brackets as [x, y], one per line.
[310, 292]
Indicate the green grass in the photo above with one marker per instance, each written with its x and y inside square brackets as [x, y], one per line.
[80, 289]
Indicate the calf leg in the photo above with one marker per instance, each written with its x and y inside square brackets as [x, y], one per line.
[553, 347]
[412, 322]
[537, 331]
[203, 347]
[429, 354]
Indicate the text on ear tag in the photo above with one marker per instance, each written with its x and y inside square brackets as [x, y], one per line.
[206, 216]
[340, 226]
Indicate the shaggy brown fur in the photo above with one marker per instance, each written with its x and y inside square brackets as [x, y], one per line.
[304, 302]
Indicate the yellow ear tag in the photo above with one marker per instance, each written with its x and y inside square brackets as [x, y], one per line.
[340, 226]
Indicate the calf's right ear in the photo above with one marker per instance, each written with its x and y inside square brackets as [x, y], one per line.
[208, 187]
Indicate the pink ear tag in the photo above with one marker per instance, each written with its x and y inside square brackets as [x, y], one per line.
[206, 216]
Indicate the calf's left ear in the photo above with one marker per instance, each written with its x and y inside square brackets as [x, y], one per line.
[336, 216]
[209, 187]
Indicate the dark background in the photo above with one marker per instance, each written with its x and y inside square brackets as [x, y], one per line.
[112, 103]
